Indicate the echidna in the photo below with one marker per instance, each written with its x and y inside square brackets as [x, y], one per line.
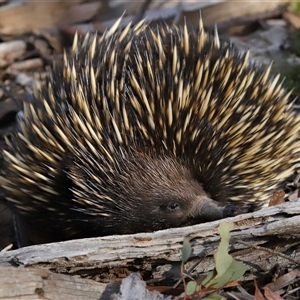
[138, 129]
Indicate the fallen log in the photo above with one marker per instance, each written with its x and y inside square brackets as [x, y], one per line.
[262, 237]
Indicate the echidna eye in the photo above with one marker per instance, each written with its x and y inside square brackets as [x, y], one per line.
[171, 206]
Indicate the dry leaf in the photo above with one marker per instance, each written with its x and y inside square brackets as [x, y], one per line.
[277, 198]
[258, 295]
[271, 295]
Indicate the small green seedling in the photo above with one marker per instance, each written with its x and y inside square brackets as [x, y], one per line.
[227, 269]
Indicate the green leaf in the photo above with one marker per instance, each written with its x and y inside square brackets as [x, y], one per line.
[210, 276]
[222, 259]
[227, 268]
[234, 272]
[191, 288]
[214, 297]
[186, 249]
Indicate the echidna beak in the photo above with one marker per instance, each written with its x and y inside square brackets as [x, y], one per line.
[210, 210]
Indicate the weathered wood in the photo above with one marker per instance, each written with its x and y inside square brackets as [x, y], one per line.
[43, 15]
[230, 10]
[37, 284]
[276, 227]
[24, 17]
[9, 51]
[134, 288]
